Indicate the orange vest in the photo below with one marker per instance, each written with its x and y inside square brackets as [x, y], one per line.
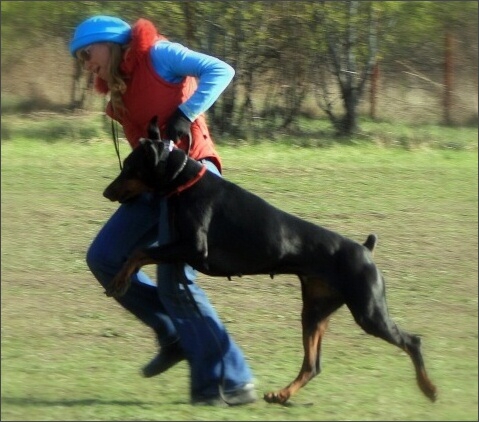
[147, 95]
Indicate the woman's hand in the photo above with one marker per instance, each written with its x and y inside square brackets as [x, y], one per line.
[178, 126]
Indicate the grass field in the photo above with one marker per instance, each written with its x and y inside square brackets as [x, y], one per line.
[70, 353]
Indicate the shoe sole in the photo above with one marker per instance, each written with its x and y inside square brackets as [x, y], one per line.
[244, 396]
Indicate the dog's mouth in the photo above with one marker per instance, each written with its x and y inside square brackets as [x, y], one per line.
[124, 191]
[121, 197]
[126, 198]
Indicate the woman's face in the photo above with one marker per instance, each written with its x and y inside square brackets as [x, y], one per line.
[95, 58]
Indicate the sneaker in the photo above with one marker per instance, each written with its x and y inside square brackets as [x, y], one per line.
[167, 357]
[200, 400]
[244, 395]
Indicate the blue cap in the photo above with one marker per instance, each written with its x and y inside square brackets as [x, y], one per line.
[100, 29]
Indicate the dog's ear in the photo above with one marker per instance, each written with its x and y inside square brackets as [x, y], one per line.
[156, 153]
[153, 130]
[152, 149]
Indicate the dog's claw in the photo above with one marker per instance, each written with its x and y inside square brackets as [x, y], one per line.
[116, 288]
[115, 293]
[111, 292]
[275, 397]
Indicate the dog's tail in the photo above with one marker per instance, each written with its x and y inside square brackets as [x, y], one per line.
[370, 242]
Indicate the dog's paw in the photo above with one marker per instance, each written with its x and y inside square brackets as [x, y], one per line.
[118, 287]
[276, 397]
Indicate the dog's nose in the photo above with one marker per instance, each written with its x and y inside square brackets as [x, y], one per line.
[106, 195]
[109, 193]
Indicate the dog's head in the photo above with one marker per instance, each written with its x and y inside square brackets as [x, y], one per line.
[142, 168]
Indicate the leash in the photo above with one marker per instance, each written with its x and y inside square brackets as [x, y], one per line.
[116, 141]
[180, 270]
[191, 299]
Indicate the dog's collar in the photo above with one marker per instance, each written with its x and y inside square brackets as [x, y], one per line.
[169, 145]
[180, 169]
[188, 183]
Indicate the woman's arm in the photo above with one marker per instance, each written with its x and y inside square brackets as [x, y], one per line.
[174, 61]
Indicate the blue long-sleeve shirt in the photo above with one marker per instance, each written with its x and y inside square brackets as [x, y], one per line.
[173, 61]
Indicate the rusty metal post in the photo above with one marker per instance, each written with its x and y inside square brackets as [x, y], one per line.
[373, 90]
[448, 76]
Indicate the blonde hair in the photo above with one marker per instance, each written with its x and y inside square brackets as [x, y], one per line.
[115, 79]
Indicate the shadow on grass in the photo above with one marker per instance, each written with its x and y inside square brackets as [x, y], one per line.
[30, 401]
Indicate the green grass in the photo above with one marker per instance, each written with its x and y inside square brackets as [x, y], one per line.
[70, 353]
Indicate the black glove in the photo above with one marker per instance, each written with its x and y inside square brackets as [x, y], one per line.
[178, 126]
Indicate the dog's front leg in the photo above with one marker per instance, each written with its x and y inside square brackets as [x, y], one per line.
[122, 280]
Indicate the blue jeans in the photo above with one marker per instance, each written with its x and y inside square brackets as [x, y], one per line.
[213, 356]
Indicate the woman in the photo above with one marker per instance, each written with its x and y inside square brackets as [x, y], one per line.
[147, 75]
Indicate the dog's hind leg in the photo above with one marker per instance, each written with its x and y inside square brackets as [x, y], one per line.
[319, 302]
[367, 303]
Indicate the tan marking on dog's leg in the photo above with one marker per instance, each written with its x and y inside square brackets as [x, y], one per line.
[319, 301]
[312, 350]
[422, 379]
[121, 282]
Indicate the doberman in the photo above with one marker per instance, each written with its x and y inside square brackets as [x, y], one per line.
[225, 230]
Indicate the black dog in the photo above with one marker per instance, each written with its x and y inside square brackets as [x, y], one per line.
[224, 230]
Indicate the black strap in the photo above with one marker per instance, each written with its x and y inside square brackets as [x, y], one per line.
[116, 141]
[190, 136]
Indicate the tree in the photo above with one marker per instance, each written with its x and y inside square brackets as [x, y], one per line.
[348, 53]
[281, 51]
[424, 40]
